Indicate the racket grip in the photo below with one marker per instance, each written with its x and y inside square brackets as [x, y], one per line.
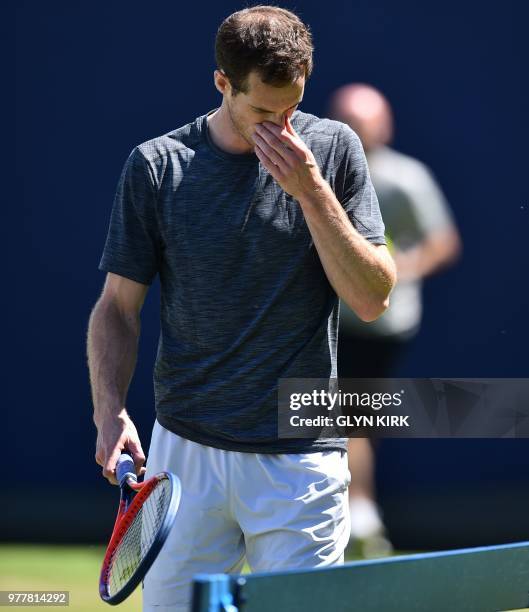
[125, 469]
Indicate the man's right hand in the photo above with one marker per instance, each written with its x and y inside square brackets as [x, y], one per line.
[115, 434]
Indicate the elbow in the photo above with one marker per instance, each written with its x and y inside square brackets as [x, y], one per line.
[371, 312]
[377, 305]
[455, 248]
[376, 301]
[109, 309]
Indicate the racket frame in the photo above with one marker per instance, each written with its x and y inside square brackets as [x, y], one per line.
[133, 494]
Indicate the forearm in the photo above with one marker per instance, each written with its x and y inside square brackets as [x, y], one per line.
[435, 252]
[112, 353]
[361, 274]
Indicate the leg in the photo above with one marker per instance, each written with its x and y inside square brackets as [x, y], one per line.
[366, 357]
[293, 509]
[366, 523]
[204, 539]
[361, 467]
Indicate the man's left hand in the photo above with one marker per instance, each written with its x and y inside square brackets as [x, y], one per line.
[287, 158]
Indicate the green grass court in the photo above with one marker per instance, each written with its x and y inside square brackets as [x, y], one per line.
[71, 568]
[60, 568]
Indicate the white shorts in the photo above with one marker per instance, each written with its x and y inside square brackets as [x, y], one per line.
[279, 511]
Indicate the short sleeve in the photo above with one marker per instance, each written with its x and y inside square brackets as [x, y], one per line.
[428, 201]
[354, 188]
[133, 244]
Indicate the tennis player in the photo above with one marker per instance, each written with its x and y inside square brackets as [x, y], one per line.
[256, 217]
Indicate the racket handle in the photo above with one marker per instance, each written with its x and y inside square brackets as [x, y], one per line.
[125, 469]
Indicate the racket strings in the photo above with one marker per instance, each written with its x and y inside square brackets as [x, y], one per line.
[139, 537]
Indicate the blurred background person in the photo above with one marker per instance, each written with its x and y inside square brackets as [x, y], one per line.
[422, 236]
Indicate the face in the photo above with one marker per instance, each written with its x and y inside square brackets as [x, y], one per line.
[368, 129]
[261, 102]
[368, 114]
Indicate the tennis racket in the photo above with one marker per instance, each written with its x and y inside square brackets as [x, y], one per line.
[146, 513]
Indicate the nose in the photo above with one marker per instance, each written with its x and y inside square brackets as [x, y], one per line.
[278, 119]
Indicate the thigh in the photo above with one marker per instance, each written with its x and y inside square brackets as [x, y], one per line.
[204, 538]
[293, 510]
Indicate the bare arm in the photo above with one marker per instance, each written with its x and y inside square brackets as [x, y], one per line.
[113, 333]
[361, 274]
[438, 250]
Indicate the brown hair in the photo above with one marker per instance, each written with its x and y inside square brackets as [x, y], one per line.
[268, 39]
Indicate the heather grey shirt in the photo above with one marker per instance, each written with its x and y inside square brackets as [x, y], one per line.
[244, 298]
[414, 208]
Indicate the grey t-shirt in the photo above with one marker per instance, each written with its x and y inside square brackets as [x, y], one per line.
[244, 298]
[414, 208]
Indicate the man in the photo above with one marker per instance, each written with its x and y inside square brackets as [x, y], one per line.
[423, 238]
[255, 216]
